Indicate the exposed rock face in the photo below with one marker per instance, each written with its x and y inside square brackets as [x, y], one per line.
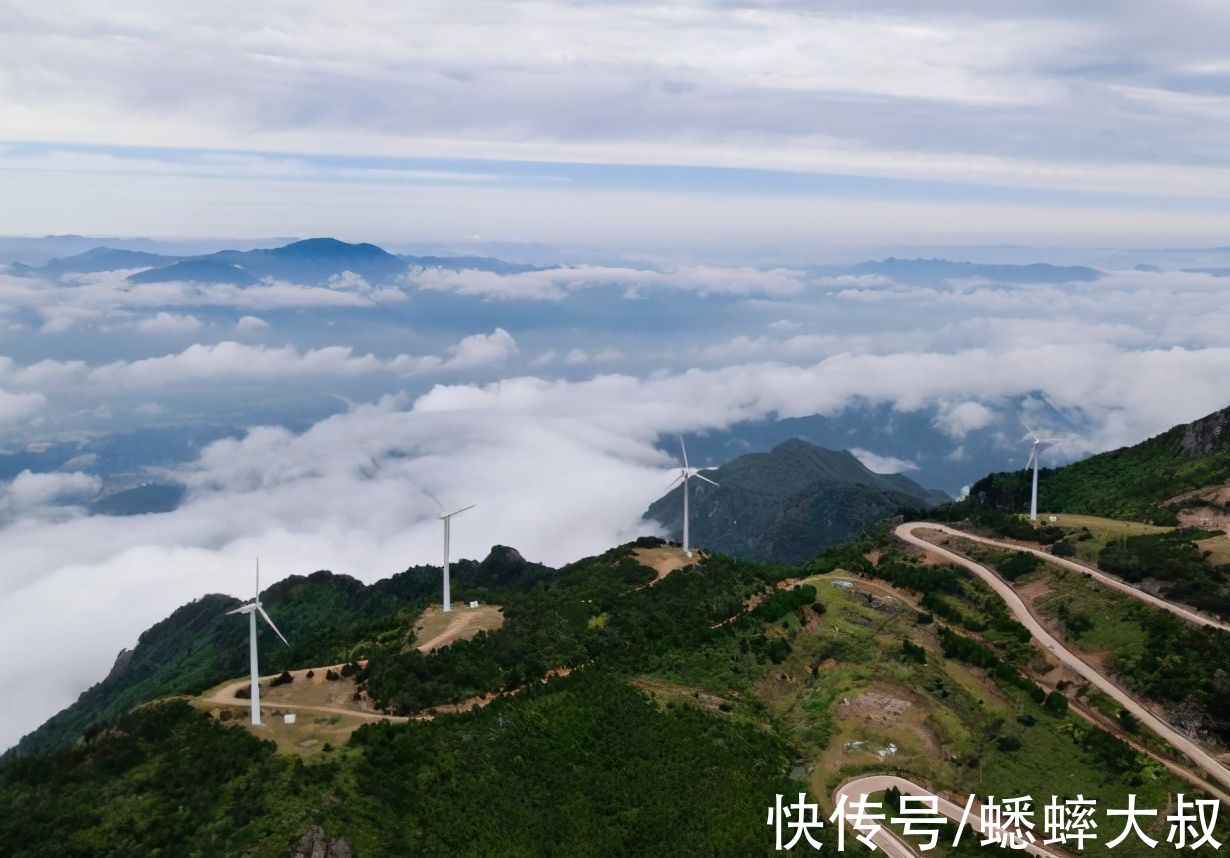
[504, 555]
[316, 844]
[1203, 436]
[121, 664]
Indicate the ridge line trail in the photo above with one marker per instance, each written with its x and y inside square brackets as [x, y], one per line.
[224, 695]
[1186, 614]
[1026, 617]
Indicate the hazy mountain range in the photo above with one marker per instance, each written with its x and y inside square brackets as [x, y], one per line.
[314, 260]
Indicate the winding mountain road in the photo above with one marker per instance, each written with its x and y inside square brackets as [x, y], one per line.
[1202, 758]
[1188, 615]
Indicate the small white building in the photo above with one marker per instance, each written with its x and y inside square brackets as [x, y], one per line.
[288, 718]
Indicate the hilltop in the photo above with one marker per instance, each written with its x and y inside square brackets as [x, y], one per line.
[789, 504]
[325, 615]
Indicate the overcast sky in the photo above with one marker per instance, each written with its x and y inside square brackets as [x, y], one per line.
[778, 123]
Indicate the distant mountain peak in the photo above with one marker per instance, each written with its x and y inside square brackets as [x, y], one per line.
[790, 503]
[325, 246]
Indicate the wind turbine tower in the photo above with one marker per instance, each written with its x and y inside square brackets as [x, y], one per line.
[1038, 444]
[685, 474]
[252, 609]
[447, 518]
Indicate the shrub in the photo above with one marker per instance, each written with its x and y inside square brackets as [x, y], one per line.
[1056, 703]
[1019, 564]
[332, 675]
[1008, 744]
[284, 678]
[1063, 548]
[244, 692]
[913, 652]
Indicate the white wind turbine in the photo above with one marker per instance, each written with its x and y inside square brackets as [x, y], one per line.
[685, 474]
[1038, 444]
[447, 518]
[252, 609]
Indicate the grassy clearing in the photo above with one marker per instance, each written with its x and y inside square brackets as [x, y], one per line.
[312, 734]
[1101, 532]
[1218, 548]
[435, 629]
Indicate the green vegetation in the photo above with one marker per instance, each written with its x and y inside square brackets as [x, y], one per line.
[1175, 559]
[1129, 483]
[586, 765]
[690, 704]
[328, 618]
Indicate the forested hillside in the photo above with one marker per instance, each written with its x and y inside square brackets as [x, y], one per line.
[328, 618]
[690, 702]
[1131, 483]
[789, 504]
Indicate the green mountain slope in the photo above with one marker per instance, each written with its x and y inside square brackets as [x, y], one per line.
[1131, 482]
[691, 704]
[789, 504]
[328, 618]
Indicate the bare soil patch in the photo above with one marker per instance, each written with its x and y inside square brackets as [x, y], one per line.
[435, 629]
[664, 560]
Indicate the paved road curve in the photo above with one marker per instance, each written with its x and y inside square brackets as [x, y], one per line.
[889, 841]
[1186, 746]
[1186, 614]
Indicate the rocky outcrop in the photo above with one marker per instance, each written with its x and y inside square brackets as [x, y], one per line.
[316, 844]
[121, 664]
[1203, 436]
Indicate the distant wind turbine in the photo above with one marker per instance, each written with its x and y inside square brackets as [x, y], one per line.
[447, 518]
[685, 474]
[252, 609]
[1038, 444]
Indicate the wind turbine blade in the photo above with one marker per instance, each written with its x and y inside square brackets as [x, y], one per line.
[272, 626]
[434, 498]
[460, 511]
[242, 609]
[684, 448]
[258, 580]
[1029, 463]
[675, 482]
[701, 476]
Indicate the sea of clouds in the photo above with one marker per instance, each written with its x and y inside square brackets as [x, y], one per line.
[552, 429]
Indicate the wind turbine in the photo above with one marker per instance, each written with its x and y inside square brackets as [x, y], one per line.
[685, 474]
[447, 518]
[1033, 460]
[252, 609]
